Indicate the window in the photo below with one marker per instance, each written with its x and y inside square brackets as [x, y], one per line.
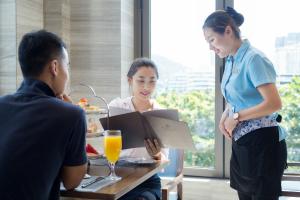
[187, 75]
[189, 71]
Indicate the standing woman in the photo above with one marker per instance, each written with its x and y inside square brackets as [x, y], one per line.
[142, 77]
[258, 147]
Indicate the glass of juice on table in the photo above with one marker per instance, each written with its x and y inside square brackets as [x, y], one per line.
[112, 150]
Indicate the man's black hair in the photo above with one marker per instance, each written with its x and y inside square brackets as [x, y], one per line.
[38, 48]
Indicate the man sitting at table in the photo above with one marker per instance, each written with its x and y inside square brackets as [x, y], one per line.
[42, 138]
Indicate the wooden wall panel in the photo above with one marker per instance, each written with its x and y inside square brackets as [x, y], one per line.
[127, 42]
[57, 18]
[17, 17]
[7, 46]
[99, 35]
[96, 49]
[30, 17]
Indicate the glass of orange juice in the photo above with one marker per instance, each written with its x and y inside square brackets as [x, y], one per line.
[112, 150]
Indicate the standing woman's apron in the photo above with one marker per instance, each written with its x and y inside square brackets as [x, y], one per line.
[257, 162]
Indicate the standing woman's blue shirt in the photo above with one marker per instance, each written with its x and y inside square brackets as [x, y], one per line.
[248, 69]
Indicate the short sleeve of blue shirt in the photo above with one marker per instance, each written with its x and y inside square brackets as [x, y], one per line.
[76, 154]
[261, 71]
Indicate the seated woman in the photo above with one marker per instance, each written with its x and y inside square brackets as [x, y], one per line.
[142, 77]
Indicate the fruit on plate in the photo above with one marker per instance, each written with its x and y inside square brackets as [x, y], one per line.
[91, 152]
[90, 149]
[84, 104]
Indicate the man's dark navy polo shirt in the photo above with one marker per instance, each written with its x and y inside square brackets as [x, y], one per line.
[39, 134]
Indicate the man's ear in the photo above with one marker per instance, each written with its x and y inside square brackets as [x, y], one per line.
[54, 68]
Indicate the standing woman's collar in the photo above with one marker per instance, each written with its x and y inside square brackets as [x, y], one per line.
[238, 56]
[35, 86]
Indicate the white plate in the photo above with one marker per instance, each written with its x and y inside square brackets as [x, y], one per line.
[98, 133]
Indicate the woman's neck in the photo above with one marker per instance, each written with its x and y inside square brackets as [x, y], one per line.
[236, 45]
[142, 105]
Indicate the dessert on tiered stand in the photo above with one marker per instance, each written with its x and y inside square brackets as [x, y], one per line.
[94, 141]
[93, 113]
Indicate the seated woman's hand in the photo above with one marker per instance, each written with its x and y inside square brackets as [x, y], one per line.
[153, 148]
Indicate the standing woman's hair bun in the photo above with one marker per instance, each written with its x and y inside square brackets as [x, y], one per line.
[237, 17]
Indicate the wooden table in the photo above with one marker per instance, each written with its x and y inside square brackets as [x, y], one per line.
[132, 176]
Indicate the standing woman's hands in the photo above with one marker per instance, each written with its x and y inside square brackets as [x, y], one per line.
[222, 124]
[230, 125]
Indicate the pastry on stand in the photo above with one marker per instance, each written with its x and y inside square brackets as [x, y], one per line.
[93, 113]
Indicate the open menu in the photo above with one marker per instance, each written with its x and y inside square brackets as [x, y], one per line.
[160, 124]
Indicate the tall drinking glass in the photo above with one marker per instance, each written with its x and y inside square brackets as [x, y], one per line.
[112, 149]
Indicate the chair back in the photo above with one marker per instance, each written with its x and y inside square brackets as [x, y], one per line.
[175, 166]
[291, 182]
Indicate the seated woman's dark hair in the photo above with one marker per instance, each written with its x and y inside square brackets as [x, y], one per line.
[220, 19]
[38, 48]
[141, 62]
